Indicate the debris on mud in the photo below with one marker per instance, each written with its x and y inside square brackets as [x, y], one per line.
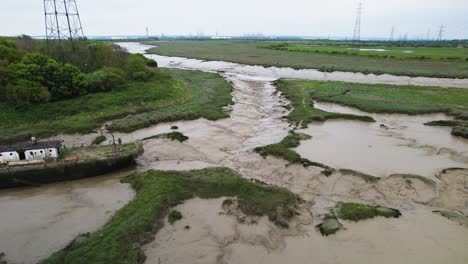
[454, 216]
[330, 225]
[172, 136]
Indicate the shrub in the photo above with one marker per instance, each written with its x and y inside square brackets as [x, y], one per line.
[104, 80]
[26, 92]
[98, 140]
[137, 68]
[174, 216]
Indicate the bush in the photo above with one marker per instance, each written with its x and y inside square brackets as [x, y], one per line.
[26, 92]
[61, 81]
[137, 68]
[105, 80]
[174, 216]
[98, 140]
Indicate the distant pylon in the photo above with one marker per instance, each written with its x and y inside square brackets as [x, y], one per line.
[428, 35]
[392, 32]
[357, 27]
[441, 33]
[62, 20]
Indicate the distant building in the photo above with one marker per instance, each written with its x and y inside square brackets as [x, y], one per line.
[29, 151]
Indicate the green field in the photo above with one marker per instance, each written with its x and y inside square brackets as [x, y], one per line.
[120, 240]
[170, 95]
[377, 98]
[389, 52]
[258, 53]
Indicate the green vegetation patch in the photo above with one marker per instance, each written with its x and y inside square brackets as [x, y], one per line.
[303, 112]
[460, 131]
[379, 98]
[174, 216]
[357, 212]
[168, 96]
[172, 136]
[120, 240]
[98, 140]
[379, 51]
[256, 53]
[283, 150]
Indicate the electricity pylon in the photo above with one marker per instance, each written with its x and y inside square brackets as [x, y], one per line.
[357, 27]
[62, 21]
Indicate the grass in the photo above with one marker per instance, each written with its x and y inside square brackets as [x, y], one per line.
[170, 95]
[357, 212]
[120, 240]
[379, 98]
[172, 136]
[283, 150]
[255, 53]
[376, 98]
[300, 95]
[403, 53]
[98, 140]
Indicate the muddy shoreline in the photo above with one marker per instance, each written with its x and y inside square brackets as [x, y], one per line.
[256, 119]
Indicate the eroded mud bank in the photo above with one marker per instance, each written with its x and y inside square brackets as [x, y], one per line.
[36, 222]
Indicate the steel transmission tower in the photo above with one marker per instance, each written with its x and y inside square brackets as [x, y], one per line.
[357, 27]
[62, 20]
[441, 33]
[392, 32]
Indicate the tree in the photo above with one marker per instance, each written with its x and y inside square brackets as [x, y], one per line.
[61, 81]
[25, 92]
[8, 51]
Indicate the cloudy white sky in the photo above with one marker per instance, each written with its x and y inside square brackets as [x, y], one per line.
[236, 17]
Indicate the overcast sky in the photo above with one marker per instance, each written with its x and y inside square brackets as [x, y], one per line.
[237, 17]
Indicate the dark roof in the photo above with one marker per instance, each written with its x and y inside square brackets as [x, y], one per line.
[30, 145]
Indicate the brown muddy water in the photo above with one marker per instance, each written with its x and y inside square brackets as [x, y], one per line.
[256, 120]
[404, 145]
[36, 222]
[214, 237]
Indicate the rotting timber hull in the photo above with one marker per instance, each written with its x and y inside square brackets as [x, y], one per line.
[64, 171]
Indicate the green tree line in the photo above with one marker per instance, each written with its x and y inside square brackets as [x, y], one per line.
[32, 72]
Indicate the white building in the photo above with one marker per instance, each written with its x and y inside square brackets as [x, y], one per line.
[34, 150]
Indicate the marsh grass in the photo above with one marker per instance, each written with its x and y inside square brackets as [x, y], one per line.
[170, 95]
